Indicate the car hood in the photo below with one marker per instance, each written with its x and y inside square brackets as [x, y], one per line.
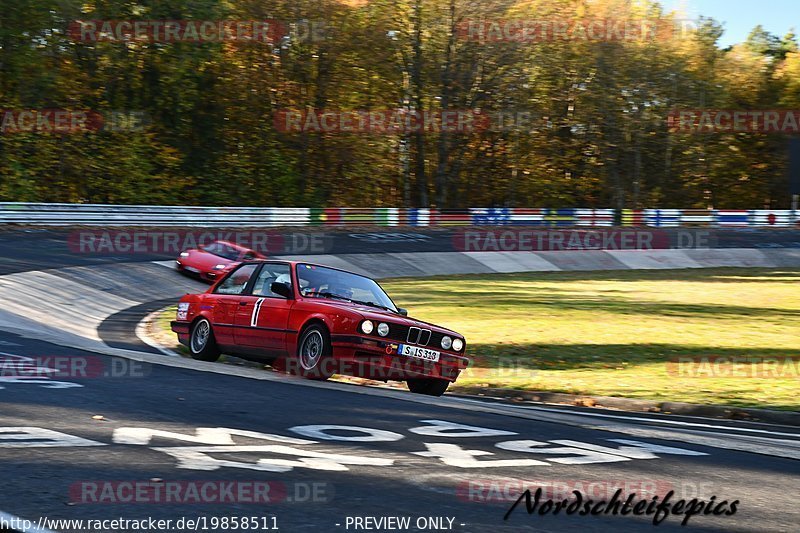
[200, 258]
[379, 315]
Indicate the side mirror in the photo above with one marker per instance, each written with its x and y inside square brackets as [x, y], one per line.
[281, 289]
[402, 311]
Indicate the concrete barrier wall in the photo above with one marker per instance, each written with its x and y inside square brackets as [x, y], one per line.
[389, 265]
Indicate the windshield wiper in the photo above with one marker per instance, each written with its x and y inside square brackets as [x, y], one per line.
[328, 295]
[379, 306]
[373, 304]
[346, 299]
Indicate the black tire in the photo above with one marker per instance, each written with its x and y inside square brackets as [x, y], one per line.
[202, 344]
[429, 387]
[313, 358]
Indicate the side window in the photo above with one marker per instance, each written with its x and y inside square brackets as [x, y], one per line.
[237, 281]
[305, 273]
[248, 256]
[270, 273]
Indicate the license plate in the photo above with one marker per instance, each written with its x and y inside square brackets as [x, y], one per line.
[192, 269]
[419, 353]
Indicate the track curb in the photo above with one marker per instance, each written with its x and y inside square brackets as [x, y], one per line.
[728, 412]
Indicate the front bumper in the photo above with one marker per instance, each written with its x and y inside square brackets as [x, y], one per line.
[182, 329]
[369, 358]
[211, 275]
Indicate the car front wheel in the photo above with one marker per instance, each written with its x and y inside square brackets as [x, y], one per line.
[430, 387]
[313, 359]
[202, 343]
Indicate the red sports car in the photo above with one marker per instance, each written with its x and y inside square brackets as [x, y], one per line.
[212, 261]
[316, 321]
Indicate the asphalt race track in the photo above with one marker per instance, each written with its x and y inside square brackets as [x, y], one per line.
[147, 436]
[395, 481]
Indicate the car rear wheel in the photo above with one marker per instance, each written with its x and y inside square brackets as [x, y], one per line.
[430, 387]
[202, 344]
[313, 359]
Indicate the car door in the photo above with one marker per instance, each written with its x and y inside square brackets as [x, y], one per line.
[263, 316]
[226, 298]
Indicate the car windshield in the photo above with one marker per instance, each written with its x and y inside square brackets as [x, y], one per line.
[322, 282]
[222, 250]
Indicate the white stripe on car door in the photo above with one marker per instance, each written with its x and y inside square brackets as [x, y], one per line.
[256, 309]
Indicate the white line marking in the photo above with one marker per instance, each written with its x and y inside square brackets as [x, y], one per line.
[168, 264]
[20, 365]
[33, 437]
[9, 519]
[659, 421]
[141, 334]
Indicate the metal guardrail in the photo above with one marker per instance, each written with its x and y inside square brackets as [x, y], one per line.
[44, 214]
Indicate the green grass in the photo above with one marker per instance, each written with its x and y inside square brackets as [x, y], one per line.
[612, 333]
[164, 318]
[161, 330]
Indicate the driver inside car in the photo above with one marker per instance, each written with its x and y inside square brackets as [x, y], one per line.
[236, 284]
[287, 280]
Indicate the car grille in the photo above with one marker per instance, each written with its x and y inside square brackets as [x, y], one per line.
[414, 335]
[418, 336]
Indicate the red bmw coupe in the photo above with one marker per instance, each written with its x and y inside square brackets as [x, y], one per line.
[316, 321]
[212, 261]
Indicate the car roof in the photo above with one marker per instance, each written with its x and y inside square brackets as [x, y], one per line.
[295, 263]
[232, 245]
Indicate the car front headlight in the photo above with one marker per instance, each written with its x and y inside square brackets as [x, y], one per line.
[367, 326]
[219, 266]
[184, 254]
[447, 342]
[383, 329]
[458, 345]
